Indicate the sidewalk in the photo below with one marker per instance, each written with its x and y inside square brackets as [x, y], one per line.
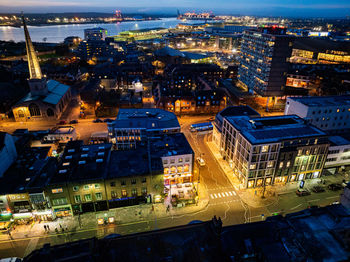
[123, 215]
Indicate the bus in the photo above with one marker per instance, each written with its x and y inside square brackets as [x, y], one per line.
[201, 127]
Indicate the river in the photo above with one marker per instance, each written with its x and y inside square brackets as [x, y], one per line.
[57, 33]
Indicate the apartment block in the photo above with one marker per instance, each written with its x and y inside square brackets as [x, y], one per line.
[268, 150]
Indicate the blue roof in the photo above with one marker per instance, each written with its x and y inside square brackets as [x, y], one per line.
[273, 129]
[317, 101]
[56, 92]
[142, 118]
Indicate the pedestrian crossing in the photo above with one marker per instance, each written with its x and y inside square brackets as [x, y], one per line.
[223, 194]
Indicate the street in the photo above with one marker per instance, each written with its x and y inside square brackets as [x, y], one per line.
[217, 194]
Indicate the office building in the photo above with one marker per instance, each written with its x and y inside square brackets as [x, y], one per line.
[269, 150]
[227, 112]
[311, 50]
[328, 113]
[94, 34]
[264, 60]
[136, 125]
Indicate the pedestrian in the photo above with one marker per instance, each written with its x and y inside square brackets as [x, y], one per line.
[67, 228]
[45, 228]
[61, 226]
[56, 230]
[48, 228]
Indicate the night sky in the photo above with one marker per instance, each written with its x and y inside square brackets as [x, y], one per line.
[296, 8]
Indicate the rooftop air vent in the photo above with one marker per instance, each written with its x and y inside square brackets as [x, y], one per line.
[99, 160]
[68, 157]
[82, 162]
[85, 149]
[84, 155]
[62, 171]
[71, 150]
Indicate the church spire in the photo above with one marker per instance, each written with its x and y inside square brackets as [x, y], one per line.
[33, 63]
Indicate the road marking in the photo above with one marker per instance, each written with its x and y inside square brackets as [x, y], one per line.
[219, 194]
[230, 193]
[314, 200]
[331, 197]
[226, 193]
[215, 196]
[295, 207]
[211, 195]
[234, 193]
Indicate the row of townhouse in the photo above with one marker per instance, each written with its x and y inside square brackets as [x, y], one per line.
[91, 178]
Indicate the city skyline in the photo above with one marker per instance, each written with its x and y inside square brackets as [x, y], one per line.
[310, 8]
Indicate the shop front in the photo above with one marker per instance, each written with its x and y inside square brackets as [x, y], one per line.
[43, 215]
[23, 218]
[62, 211]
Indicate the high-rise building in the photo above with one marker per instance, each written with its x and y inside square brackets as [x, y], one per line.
[264, 60]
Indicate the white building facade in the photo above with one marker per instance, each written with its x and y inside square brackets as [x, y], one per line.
[329, 113]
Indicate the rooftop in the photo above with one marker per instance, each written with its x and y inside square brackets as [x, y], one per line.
[170, 145]
[56, 92]
[30, 163]
[317, 101]
[320, 44]
[149, 119]
[81, 162]
[273, 129]
[129, 163]
[338, 140]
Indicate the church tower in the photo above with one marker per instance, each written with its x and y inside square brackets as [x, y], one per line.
[37, 82]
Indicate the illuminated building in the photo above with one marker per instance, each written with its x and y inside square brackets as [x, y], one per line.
[133, 126]
[308, 50]
[177, 161]
[264, 60]
[338, 158]
[47, 99]
[328, 113]
[271, 150]
[94, 34]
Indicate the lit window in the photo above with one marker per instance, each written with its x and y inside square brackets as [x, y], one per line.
[86, 187]
[87, 197]
[57, 190]
[98, 196]
[265, 149]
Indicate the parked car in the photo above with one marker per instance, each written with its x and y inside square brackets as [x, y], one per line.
[335, 187]
[303, 192]
[62, 122]
[200, 161]
[97, 120]
[108, 120]
[73, 121]
[318, 189]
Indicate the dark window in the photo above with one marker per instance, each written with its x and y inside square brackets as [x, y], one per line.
[34, 110]
[50, 112]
